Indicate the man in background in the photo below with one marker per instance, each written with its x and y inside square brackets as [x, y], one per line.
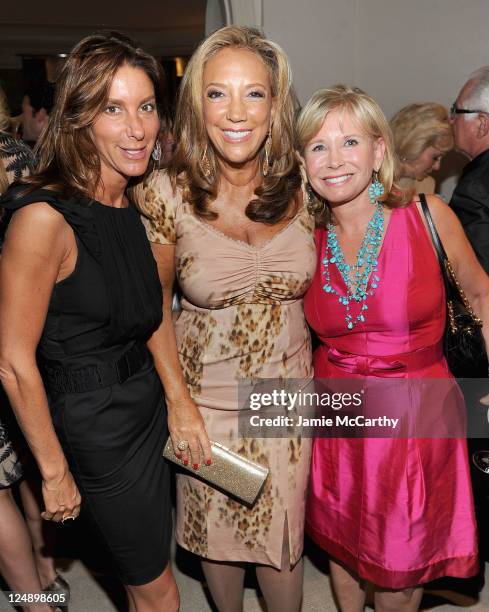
[470, 202]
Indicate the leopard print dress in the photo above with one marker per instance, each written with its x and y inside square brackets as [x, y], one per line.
[17, 161]
[242, 318]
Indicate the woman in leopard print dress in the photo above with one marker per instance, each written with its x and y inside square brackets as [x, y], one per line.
[229, 215]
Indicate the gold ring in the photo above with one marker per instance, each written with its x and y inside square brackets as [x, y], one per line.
[182, 445]
[68, 518]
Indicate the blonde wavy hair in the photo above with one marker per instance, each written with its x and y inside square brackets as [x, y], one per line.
[419, 126]
[367, 112]
[280, 185]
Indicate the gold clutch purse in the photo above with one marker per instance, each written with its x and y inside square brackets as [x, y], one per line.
[230, 472]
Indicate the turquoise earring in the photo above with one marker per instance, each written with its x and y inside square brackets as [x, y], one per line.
[376, 189]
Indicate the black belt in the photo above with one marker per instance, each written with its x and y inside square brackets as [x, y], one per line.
[91, 377]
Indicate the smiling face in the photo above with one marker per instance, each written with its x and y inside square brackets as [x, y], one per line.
[237, 105]
[340, 159]
[125, 131]
[424, 165]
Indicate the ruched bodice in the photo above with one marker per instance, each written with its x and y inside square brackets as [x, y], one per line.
[242, 314]
[242, 318]
[276, 272]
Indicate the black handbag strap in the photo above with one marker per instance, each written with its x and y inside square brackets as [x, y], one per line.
[440, 251]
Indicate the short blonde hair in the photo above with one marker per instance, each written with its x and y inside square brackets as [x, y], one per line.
[370, 117]
[283, 179]
[419, 126]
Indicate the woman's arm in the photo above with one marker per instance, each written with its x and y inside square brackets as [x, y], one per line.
[469, 272]
[38, 250]
[184, 419]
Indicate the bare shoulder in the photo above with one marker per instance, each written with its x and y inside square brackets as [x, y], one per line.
[40, 225]
[443, 216]
[40, 212]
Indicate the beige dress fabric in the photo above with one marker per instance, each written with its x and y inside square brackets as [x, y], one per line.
[242, 318]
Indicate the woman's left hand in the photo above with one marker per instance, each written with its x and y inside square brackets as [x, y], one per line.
[61, 498]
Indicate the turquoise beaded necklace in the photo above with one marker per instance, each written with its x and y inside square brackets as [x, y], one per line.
[365, 267]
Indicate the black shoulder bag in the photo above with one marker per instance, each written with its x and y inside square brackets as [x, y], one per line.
[463, 343]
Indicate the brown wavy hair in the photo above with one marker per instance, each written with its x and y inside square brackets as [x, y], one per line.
[67, 159]
[370, 117]
[280, 185]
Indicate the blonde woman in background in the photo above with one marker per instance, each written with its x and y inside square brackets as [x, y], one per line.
[230, 219]
[422, 136]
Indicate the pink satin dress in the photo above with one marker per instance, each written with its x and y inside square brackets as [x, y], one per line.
[397, 512]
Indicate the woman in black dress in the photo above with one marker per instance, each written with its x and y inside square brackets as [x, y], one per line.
[78, 284]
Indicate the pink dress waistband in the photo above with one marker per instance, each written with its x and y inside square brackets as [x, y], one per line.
[385, 365]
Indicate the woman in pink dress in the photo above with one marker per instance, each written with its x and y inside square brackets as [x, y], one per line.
[396, 512]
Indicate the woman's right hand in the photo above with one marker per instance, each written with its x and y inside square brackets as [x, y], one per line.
[61, 498]
[184, 419]
[186, 423]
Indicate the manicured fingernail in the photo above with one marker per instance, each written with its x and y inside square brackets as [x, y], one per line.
[185, 462]
[195, 466]
[208, 462]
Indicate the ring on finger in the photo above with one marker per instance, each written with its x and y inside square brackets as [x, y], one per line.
[68, 518]
[182, 445]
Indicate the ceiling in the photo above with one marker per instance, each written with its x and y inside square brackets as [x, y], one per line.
[44, 27]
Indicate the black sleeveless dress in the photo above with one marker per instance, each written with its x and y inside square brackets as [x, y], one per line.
[105, 397]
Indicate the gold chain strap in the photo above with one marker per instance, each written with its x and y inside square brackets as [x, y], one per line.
[451, 315]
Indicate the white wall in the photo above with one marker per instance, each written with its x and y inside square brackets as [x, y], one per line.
[399, 51]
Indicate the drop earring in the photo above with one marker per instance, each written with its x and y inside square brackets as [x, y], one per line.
[266, 160]
[376, 189]
[310, 195]
[156, 152]
[205, 164]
